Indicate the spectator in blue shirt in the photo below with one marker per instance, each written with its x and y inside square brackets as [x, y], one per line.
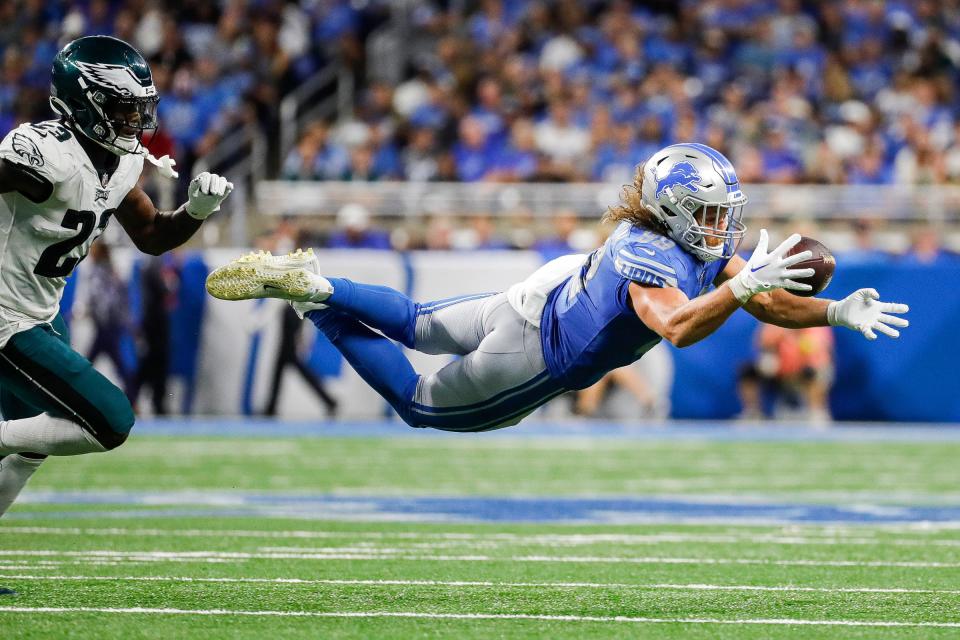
[864, 249]
[806, 58]
[489, 111]
[484, 236]
[926, 248]
[419, 159]
[334, 19]
[315, 157]
[182, 112]
[354, 230]
[565, 224]
[362, 167]
[300, 162]
[433, 113]
[517, 160]
[488, 25]
[615, 160]
[712, 64]
[780, 164]
[871, 72]
[472, 153]
[869, 167]
[650, 137]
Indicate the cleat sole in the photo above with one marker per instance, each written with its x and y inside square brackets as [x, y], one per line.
[260, 275]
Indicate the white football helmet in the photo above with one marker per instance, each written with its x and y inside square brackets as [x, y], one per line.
[693, 189]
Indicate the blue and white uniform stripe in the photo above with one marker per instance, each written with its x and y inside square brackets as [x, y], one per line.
[644, 270]
[722, 164]
[436, 305]
[501, 410]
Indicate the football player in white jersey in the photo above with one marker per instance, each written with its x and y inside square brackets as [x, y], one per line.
[61, 182]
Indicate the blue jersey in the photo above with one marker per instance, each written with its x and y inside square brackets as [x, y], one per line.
[589, 326]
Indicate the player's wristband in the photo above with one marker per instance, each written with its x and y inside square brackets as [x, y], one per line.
[740, 289]
[195, 216]
[832, 310]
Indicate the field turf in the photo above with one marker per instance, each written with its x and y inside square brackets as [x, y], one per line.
[665, 533]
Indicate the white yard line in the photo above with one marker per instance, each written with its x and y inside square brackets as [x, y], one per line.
[337, 554]
[479, 616]
[546, 539]
[484, 583]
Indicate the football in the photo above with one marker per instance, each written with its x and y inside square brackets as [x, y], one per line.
[822, 262]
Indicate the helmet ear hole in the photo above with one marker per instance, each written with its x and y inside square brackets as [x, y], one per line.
[667, 212]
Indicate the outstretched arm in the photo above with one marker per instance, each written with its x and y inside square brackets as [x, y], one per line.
[778, 306]
[156, 232]
[861, 311]
[678, 319]
[683, 322]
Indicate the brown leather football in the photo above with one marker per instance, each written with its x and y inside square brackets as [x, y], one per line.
[822, 262]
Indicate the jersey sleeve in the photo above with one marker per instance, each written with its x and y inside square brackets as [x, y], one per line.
[38, 152]
[647, 264]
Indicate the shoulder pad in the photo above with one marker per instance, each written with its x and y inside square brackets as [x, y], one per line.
[40, 147]
[648, 258]
[642, 265]
[27, 182]
[131, 165]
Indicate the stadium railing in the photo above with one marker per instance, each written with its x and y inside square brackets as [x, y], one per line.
[325, 94]
[927, 203]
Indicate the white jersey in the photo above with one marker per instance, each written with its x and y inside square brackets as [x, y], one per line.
[41, 243]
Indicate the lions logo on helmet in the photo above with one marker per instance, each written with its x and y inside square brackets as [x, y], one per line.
[694, 192]
[682, 173]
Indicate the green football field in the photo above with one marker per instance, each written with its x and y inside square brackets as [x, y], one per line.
[553, 533]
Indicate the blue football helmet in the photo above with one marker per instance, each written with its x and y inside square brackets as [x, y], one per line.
[694, 191]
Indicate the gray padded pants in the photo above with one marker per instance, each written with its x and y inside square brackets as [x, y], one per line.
[501, 376]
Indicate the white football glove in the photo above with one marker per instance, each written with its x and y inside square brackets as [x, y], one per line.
[205, 194]
[767, 271]
[862, 311]
[164, 164]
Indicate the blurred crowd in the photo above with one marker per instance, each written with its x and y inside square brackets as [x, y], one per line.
[854, 91]
[859, 91]
[216, 64]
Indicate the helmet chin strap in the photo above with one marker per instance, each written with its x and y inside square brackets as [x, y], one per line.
[113, 147]
[164, 164]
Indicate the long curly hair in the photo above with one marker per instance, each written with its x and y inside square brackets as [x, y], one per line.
[631, 208]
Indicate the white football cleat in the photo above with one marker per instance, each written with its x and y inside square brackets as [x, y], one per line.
[295, 276]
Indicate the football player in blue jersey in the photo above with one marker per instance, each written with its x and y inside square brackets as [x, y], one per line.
[668, 271]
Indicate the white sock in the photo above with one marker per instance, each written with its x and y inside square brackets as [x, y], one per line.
[48, 435]
[15, 470]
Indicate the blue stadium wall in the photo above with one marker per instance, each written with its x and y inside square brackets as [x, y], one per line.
[913, 378]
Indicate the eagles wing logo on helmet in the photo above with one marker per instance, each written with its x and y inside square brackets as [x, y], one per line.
[27, 149]
[118, 77]
[683, 174]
